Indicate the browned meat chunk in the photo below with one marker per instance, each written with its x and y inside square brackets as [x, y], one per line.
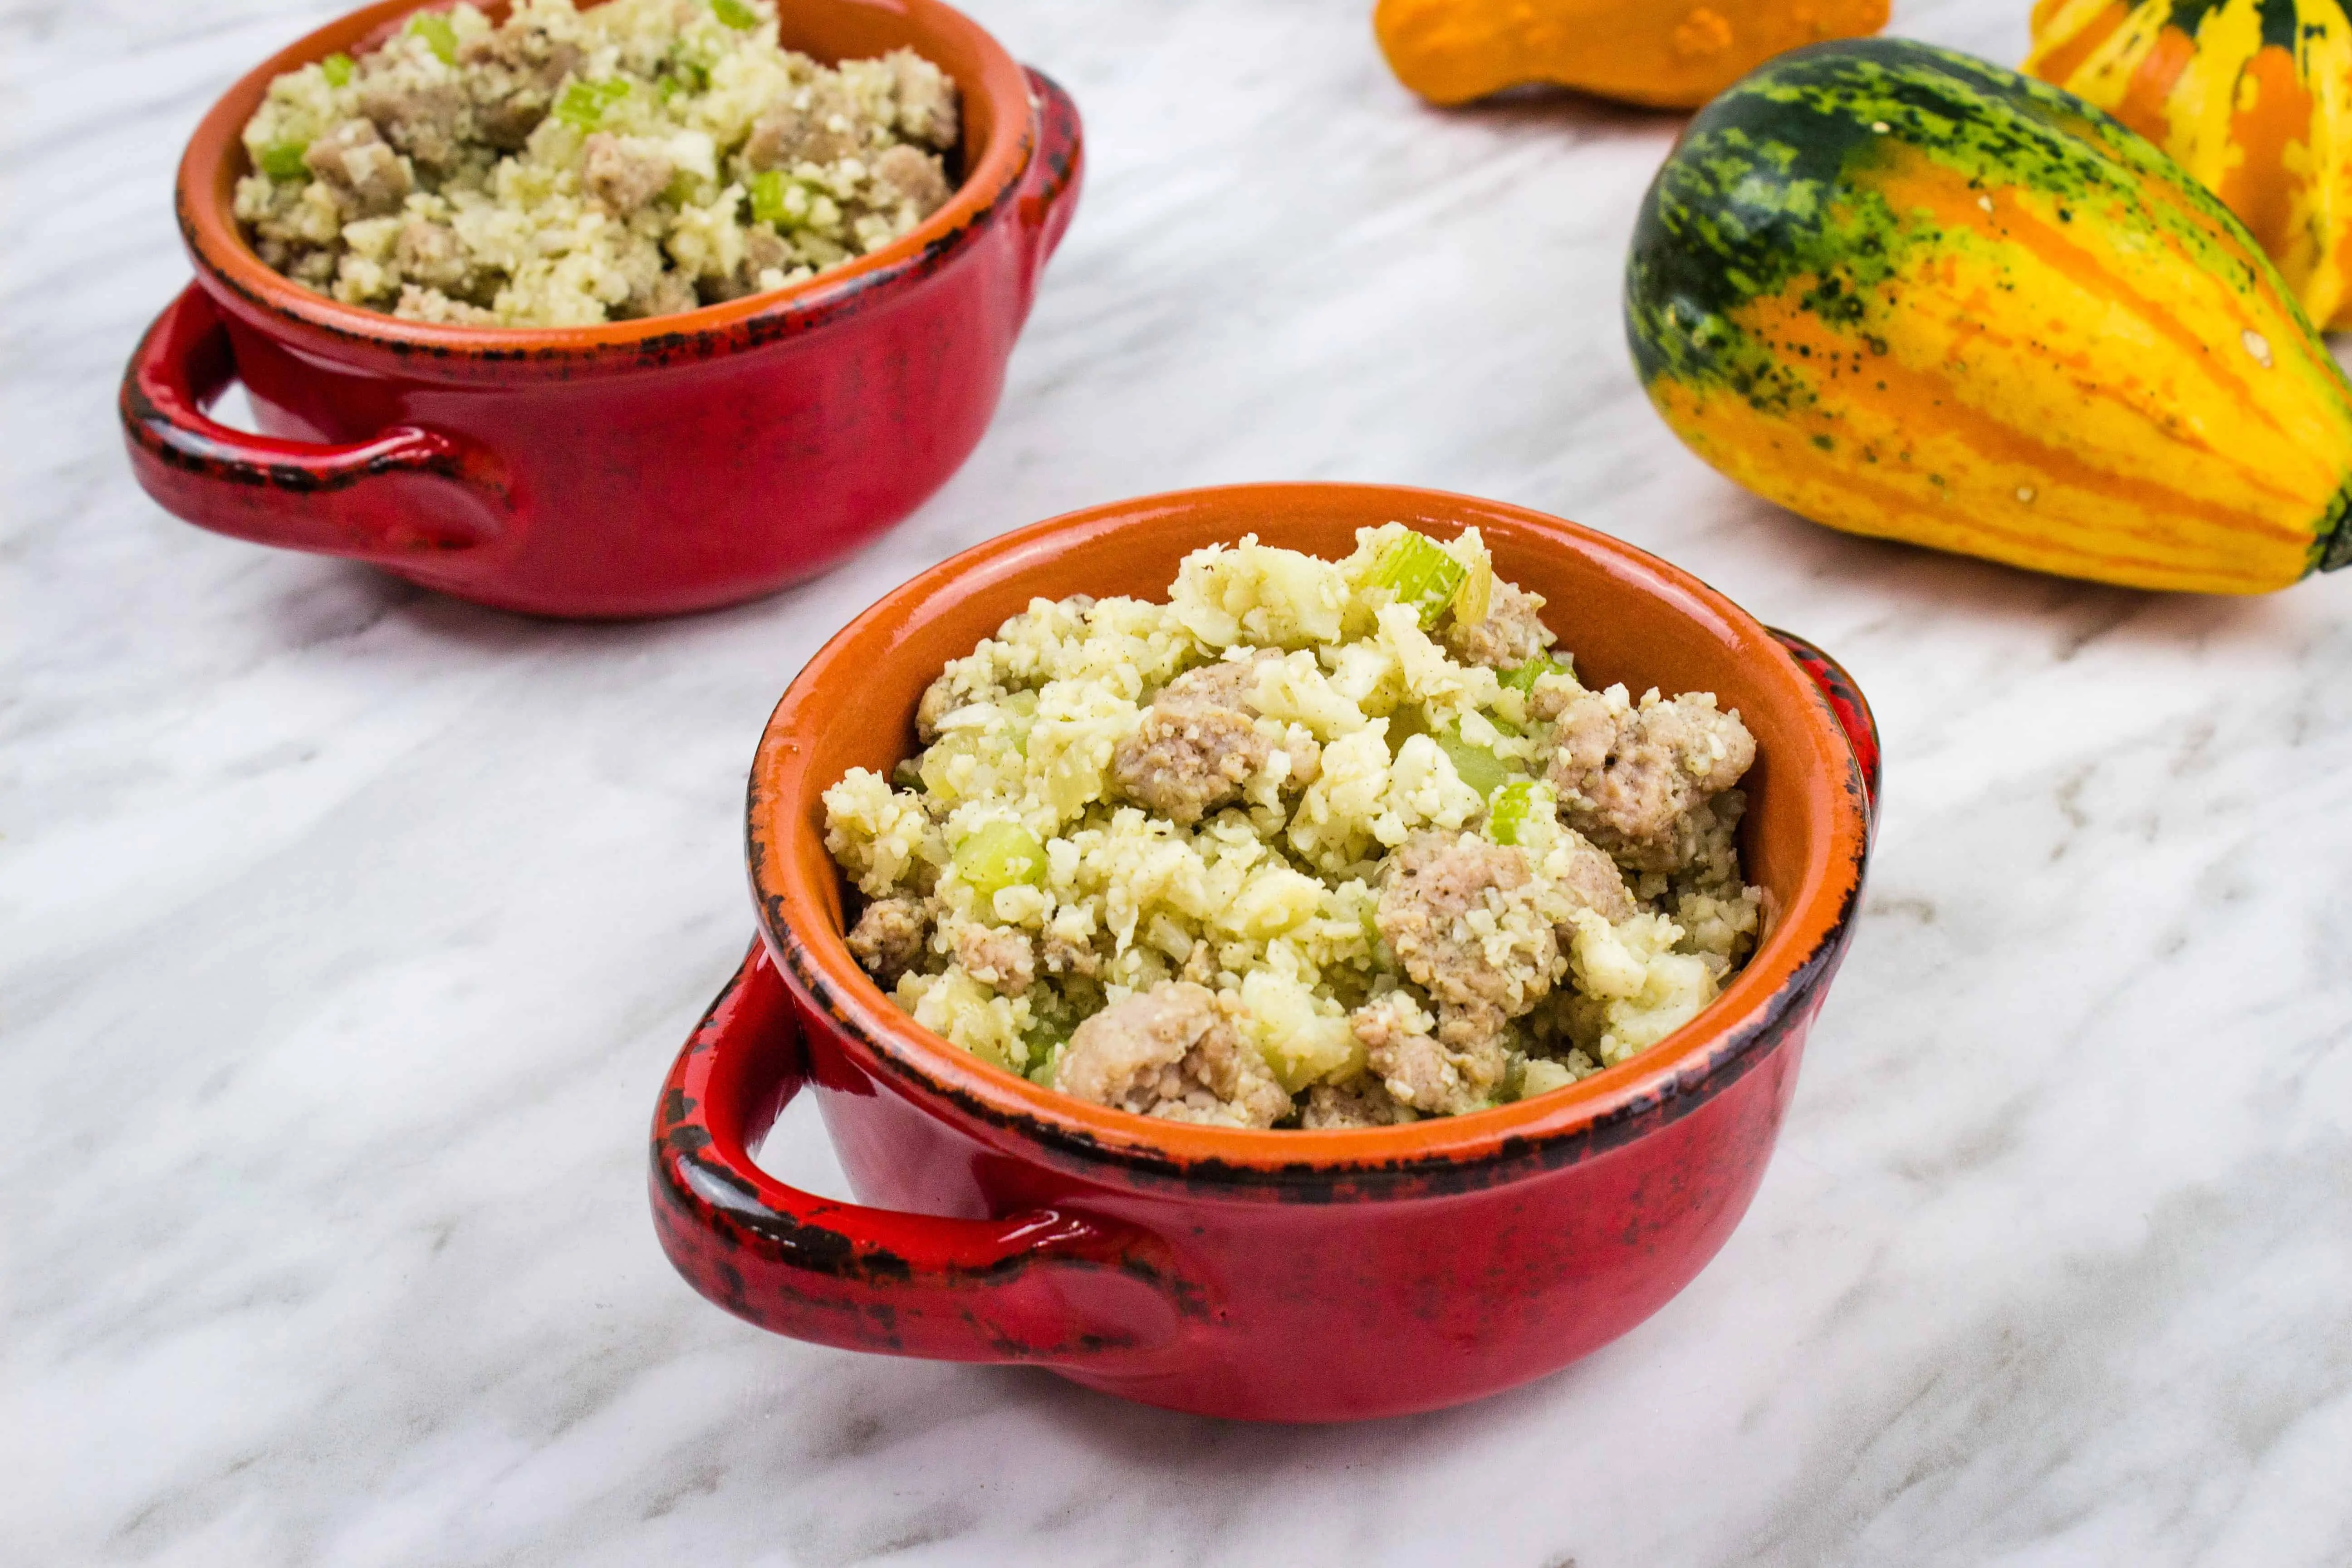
[516, 73]
[889, 938]
[819, 132]
[1594, 878]
[1509, 636]
[624, 175]
[940, 698]
[1633, 779]
[927, 99]
[427, 122]
[1365, 1102]
[354, 160]
[1198, 744]
[429, 253]
[1063, 955]
[661, 294]
[762, 250]
[1171, 1052]
[1183, 765]
[1427, 1072]
[1003, 959]
[915, 175]
[1480, 972]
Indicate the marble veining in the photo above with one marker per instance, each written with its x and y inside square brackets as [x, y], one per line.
[346, 932]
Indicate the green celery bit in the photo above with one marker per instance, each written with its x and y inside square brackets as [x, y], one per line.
[768, 188]
[1506, 813]
[583, 103]
[338, 69]
[736, 15]
[1044, 1040]
[1523, 677]
[440, 34]
[1480, 768]
[999, 855]
[1022, 706]
[1403, 725]
[1420, 574]
[283, 160]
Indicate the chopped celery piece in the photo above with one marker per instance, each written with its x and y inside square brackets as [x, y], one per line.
[1507, 812]
[583, 103]
[682, 72]
[736, 15]
[768, 189]
[1420, 574]
[1476, 593]
[338, 69]
[999, 855]
[1480, 768]
[1523, 677]
[1022, 706]
[283, 160]
[1403, 725]
[440, 34]
[1043, 1042]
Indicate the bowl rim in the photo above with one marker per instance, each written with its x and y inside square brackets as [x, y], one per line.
[206, 185]
[1733, 1033]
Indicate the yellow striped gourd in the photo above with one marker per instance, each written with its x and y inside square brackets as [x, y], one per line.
[2253, 98]
[1909, 293]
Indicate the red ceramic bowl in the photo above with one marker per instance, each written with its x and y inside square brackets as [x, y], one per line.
[1267, 1275]
[636, 468]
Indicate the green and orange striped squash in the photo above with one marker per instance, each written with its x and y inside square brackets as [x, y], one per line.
[2251, 96]
[1908, 293]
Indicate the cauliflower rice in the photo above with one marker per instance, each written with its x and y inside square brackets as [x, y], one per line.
[1313, 843]
[570, 166]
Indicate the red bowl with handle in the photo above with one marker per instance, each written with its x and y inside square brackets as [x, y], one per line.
[1259, 1274]
[634, 468]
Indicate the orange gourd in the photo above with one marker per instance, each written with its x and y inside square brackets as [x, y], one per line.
[1667, 53]
[2253, 98]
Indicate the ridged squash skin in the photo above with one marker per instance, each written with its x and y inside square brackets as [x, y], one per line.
[1669, 54]
[1908, 293]
[2251, 96]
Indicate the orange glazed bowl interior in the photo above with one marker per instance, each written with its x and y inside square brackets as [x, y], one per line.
[1624, 615]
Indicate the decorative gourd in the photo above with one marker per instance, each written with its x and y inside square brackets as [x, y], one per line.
[2253, 96]
[1670, 53]
[1908, 293]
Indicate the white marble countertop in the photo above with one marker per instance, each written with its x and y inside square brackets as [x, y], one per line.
[346, 932]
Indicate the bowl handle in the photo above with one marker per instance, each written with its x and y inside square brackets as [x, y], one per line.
[1845, 700]
[1041, 1286]
[406, 496]
[1049, 189]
